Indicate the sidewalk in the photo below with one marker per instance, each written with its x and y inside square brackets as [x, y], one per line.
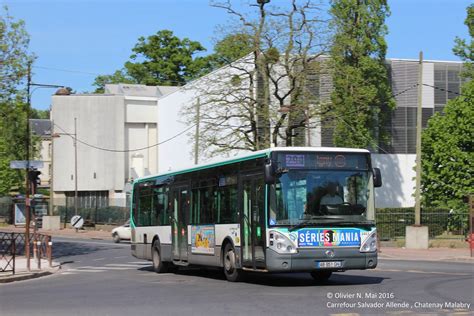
[431, 254]
[66, 232]
[21, 273]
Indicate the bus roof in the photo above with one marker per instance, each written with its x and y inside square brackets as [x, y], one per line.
[252, 155]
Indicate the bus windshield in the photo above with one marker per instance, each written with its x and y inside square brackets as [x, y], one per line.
[321, 197]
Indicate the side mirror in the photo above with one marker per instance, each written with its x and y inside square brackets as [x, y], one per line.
[269, 172]
[377, 178]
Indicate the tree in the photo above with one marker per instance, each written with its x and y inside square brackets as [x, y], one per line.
[264, 97]
[14, 58]
[13, 55]
[159, 59]
[39, 114]
[119, 76]
[362, 94]
[447, 159]
[464, 50]
[448, 153]
[230, 48]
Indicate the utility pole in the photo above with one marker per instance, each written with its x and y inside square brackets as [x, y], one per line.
[75, 166]
[51, 174]
[418, 143]
[196, 143]
[27, 182]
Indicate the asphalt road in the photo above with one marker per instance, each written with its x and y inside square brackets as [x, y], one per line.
[102, 278]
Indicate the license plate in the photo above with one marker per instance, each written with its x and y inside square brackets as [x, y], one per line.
[329, 264]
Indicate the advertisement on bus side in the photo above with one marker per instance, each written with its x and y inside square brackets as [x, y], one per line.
[203, 239]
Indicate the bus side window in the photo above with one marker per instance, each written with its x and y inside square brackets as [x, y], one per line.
[135, 204]
[160, 214]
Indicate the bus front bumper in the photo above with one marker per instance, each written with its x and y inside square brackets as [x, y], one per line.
[307, 259]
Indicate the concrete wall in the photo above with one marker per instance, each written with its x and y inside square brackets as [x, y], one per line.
[175, 153]
[45, 156]
[398, 177]
[100, 122]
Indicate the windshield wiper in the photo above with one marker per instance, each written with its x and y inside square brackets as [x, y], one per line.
[300, 225]
[315, 220]
[330, 221]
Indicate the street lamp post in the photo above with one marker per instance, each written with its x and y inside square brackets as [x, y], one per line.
[29, 93]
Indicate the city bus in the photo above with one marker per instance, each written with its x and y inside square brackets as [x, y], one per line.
[283, 209]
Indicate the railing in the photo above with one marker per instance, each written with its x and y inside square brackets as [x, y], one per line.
[441, 225]
[12, 245]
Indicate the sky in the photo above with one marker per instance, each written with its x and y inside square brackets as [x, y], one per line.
[76, 40]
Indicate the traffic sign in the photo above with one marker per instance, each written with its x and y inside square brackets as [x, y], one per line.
[77, 221]
[22, 164]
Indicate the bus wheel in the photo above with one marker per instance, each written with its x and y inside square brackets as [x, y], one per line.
[321, 276]
[231, 272]
[158, 265]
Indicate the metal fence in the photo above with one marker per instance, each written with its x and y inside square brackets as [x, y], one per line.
[104, 215]
[112, 215]
[13, 245]
[441, 225]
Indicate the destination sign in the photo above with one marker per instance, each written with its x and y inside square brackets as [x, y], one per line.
[323, 161]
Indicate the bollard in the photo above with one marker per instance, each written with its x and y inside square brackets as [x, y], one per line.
[35, 250]
[38, 243]
[13, 252]
[50, 252]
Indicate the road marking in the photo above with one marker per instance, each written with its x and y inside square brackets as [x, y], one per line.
[99, 259]
[123, 265]
[121, 257]
[140, 262]
[424, 272]
[346, 314]
[118, 268]
[85, 270]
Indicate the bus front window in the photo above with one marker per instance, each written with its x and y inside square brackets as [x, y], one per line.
[321, 196]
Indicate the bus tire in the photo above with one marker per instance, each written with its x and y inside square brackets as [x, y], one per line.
[158, 265]
[232, 274]
[321, 276]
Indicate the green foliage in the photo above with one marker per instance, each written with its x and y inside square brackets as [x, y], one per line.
[159, 59]
[39, 114]
[362, 94]
[14, 58]
[119, 76]
[14, 55]
[164, 59]
[231, 48]
[466, 50]
[448, 153]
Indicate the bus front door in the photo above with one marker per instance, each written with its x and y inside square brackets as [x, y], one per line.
[252, 221]
[180, 222]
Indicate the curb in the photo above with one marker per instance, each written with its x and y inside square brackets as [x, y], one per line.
[452, 260]
[30, 276]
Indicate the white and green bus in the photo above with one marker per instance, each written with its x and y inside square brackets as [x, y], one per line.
[276, 210]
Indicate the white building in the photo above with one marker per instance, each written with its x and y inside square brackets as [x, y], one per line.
[112, 125]
[396, 159]
[42, 129]
[109, 129]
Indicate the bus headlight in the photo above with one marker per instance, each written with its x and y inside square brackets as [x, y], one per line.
[281, 244]
[370, 243]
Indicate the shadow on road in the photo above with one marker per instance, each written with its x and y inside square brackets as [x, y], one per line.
[278, 280]
[66, 249]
